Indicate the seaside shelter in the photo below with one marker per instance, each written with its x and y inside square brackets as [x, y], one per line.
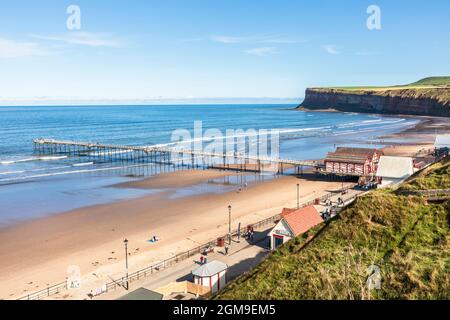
[293, 223]
[392, 171]
[353, 161]
[442, 141]
[212, 275]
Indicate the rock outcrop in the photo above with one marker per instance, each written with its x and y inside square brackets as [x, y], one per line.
[411, 101]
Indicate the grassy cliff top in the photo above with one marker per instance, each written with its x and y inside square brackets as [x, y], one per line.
[407, 238]
[433, 178]
[435, 88]
[433, 81]
[426, 83]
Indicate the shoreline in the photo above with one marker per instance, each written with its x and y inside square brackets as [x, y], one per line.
[37, 253]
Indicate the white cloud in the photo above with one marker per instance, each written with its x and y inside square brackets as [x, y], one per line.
[331, 49]
[261, 52]
[254, 39]
[14, 49]
[228, 39]
[281, 40]
[82, 38]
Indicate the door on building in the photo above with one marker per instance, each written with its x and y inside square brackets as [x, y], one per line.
[277, 241]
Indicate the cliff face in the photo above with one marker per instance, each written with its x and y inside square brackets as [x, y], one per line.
[429, 101]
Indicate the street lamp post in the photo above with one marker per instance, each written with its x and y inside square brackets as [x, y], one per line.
[229, 224]
[125, 242]
[298, 196]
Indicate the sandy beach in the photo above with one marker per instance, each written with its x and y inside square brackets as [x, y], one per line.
[417, 139]
[37, 253]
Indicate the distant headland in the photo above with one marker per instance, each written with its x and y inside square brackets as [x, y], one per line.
[427, 97]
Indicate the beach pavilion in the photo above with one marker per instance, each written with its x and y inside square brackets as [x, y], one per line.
[392, 171]
[353, 161]
[293, 224]
[212, 275]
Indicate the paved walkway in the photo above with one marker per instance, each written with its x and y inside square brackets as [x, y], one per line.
[241, 257]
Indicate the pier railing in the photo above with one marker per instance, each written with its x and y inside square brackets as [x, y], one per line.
[147, 271]
[105, 152]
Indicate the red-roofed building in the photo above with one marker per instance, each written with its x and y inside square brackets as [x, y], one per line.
[353, 161]
[293, 224]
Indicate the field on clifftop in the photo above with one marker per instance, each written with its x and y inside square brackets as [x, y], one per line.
[426, 83]
[405, 236]
[433, 89]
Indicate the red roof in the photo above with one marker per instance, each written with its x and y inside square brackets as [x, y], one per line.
[300, 221]
[286, 211]
[351, 155]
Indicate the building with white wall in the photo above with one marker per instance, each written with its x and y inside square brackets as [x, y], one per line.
[442, 141]
[392, 171]
[212, 275]
[293, 224]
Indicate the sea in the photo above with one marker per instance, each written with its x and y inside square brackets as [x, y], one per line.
[34, 186]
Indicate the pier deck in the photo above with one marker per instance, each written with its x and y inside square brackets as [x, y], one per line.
[167, 155]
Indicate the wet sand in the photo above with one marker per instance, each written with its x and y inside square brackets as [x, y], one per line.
[177, 179]
[418, 139]
[37, 253]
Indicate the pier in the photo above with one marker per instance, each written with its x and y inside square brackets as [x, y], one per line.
[164, 155]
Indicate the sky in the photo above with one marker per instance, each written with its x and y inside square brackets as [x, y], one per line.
[189, 50]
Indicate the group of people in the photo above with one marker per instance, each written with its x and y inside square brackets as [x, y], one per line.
[249, 234]
[331, 209]
[328, 213]
[340, 202]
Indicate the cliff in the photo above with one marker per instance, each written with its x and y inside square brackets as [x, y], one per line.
[414, 99]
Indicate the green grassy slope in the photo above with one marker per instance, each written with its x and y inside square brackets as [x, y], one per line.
[406, 237]
[433, 88]
[433, 81]
[426, 83]
[435, 177]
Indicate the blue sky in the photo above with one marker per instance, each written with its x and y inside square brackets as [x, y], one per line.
[185, 49]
